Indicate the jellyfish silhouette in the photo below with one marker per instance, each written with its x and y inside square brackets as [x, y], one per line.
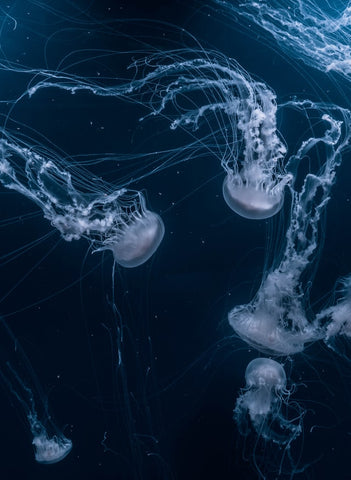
[263, 399]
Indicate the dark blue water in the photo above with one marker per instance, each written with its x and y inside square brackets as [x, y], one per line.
[183, 368]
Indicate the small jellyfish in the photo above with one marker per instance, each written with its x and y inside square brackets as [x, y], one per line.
[19, 379]
[48, 449]
[51, 446]
[262, 401]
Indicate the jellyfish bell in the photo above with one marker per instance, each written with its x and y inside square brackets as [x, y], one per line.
[265, 372]
[137, 241]
[51, 450]
[252, 200]
[262, 327]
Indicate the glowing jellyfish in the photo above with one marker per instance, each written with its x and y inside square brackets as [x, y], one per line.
[253, 150]
[137, 239]
[111, 220]
[51, 445]
[249, 200]
[263, 399]
[275, 321]
[48, 449]
[317, 34]
[239, 111]
[257, 190]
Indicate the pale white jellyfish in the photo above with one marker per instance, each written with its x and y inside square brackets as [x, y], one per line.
[238, 112]
[111, 220]
[275, 321]
[51, 445]
[244, 113]
[48, 449]
[256, 191]
[262, 402]
[318, 35]
[137, 239]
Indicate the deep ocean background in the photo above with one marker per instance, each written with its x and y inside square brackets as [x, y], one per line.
[184, 369]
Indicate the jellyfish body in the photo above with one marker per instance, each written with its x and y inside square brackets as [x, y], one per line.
[48, 450]
[252, 201]
[136, 242]
[262, 402]
[254, 187]
[51, 450]
[115, 220]
[18, 377]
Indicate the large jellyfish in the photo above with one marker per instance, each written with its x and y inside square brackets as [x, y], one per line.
[112, 220]
[317, 33]
[263, 400]
[275, 320]
[239, 112]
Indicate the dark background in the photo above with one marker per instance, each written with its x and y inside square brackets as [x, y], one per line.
[182, 365]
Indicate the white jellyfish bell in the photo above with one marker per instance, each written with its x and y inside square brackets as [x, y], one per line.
[137, 238]
[48, 450]
[252, 200]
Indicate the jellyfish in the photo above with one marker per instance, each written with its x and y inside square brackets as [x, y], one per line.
[238, 111]
[47, 449]
[317, 34]
[263, 399]
[50, 444]
[115, 220]
[275, 321]
[137, 239]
